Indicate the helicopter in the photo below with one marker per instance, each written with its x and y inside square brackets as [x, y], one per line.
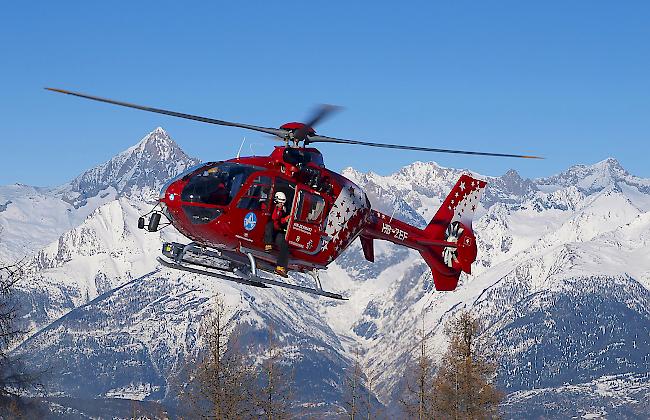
[225, 207]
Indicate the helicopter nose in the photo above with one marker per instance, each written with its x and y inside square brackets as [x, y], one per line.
[170, 200]
[163, 190]
[169, 196]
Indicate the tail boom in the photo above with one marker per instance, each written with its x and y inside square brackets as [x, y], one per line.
[447, 244]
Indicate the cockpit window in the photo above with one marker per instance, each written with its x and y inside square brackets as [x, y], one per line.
[186, 172]
[217, 184]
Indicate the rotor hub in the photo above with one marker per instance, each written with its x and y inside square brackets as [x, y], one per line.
[297, 132]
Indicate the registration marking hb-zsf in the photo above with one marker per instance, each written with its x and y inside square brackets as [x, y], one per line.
[398, 234]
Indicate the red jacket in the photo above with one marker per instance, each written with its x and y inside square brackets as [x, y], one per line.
[280, 218]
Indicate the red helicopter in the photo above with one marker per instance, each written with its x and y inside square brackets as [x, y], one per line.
[231, 211]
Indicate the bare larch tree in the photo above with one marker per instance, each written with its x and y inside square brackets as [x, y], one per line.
[417, 399]
[463, 385]
[219, 386]
[273, 392]
[353, 383]
[14, 377]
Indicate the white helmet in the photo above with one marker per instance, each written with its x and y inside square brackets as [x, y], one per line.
[280, 197]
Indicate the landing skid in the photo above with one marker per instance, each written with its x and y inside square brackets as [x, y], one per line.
[175, 256]
[210, 273]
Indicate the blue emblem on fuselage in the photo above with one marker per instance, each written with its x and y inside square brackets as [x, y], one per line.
[250, 221]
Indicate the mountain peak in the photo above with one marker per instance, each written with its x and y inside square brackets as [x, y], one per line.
[423, 172]
[609, 167]
[512, 174]
[508, 188]
[141, 169]
[609, 164]
[419, 167]
[590, 178]
[157, 144]
[157, 134]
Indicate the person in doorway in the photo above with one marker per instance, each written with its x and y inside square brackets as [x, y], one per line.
[275, 231]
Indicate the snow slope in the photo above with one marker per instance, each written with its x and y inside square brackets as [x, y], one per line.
[562, 281]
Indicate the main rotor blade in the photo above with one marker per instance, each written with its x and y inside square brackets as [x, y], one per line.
[274, 131]
[325, 139]
[320, 113]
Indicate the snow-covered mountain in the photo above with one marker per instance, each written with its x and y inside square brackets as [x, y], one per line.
[33, 217]
[137, 172]
[562, 280]
[562, 275]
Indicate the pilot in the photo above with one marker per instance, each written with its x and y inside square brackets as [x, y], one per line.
[275, 231]
[220, 195]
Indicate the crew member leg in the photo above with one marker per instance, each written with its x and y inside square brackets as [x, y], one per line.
[268, 236]
[283, 256]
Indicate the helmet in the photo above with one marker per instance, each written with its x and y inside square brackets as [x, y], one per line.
[280, 197]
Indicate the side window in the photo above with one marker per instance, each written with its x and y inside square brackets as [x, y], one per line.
[310, 207]
[258, 194]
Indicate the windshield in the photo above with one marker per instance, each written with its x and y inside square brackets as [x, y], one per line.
[217, 184]
[188, 171]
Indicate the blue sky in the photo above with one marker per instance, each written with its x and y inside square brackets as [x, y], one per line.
[566, 80]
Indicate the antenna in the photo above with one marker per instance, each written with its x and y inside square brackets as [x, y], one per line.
[393, 214]
[251, 147]
[240, 146]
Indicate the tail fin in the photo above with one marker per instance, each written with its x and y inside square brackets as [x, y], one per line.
[453, 224]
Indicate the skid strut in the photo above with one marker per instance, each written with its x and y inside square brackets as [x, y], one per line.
[195, 259]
